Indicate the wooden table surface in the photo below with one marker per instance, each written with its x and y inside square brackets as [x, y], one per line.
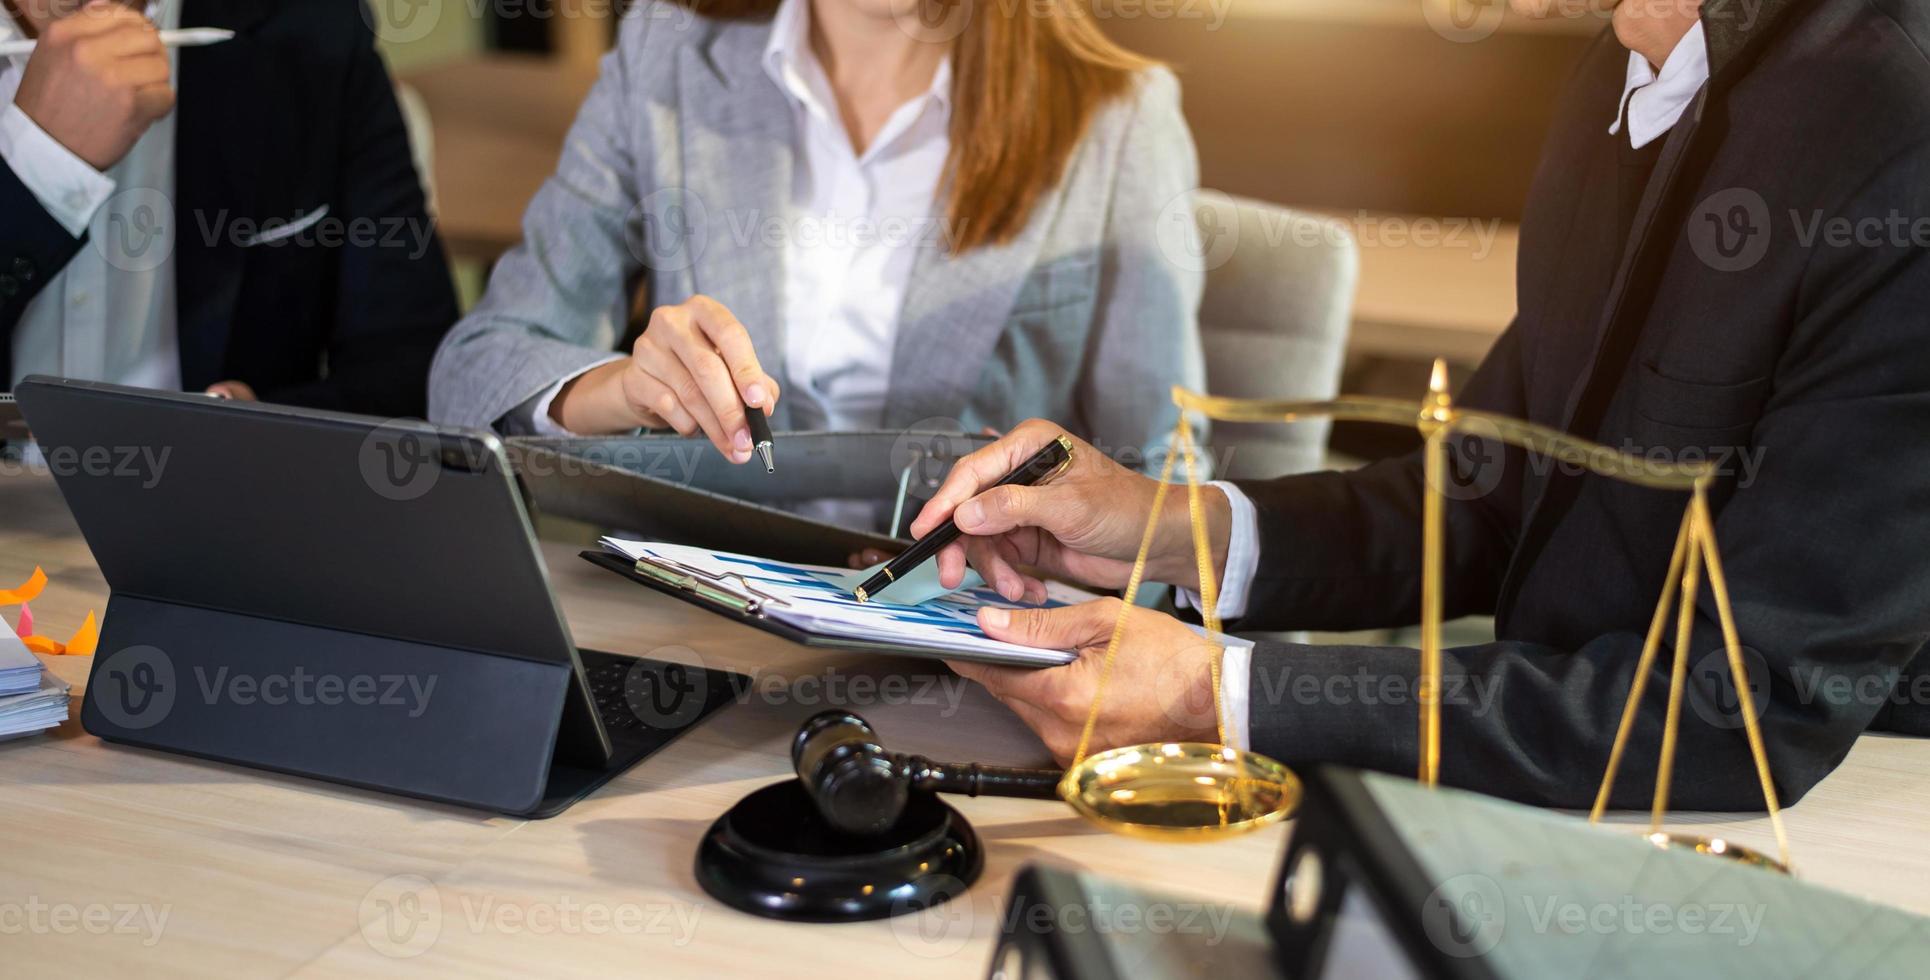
[136, 862]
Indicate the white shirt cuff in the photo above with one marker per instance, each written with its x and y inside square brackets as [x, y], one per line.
[64, 184]
[1242, 556]
[540, 419]
[1236, 682]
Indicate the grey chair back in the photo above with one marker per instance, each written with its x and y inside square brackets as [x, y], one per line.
[1279, 298]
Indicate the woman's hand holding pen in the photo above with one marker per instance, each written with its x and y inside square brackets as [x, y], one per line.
[1084, 524]
[693, 369]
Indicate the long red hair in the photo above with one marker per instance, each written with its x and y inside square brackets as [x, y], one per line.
[1027, 78]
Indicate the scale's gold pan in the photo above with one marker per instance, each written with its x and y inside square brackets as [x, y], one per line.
[1181, 791]
[1717, 847]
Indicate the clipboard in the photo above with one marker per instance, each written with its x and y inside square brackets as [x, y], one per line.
[681, 490]
[743, 603]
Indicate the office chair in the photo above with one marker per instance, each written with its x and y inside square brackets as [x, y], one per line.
[1279, 298]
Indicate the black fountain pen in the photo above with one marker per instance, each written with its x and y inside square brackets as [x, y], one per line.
[1044, 464]
[760, 425]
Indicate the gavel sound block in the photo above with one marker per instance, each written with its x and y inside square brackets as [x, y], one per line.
[860, 834]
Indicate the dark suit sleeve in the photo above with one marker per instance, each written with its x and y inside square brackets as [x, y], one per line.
[1826, 551]
[1342, 551]
[394, 300]
[33, 249]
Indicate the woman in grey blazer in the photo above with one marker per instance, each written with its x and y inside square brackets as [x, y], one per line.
[858, 214]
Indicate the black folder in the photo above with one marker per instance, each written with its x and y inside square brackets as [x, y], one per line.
[682, 491]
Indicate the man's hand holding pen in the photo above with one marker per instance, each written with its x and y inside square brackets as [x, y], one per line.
[96, 81]
[1084, 525]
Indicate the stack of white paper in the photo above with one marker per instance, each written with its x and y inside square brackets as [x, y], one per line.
[31, 699]
[19, 668]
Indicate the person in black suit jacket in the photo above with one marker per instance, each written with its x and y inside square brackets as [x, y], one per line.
[1750, 285]
[300, 263]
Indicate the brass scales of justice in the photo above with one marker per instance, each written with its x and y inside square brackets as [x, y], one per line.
[1201, 791]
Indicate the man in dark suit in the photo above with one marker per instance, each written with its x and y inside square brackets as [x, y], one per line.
[262, 235]
[1725, 255]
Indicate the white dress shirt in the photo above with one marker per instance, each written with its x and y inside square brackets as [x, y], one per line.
[110, 314]
[1654, 103]
[850, 234]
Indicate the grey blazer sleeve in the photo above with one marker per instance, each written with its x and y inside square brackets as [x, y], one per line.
[556, 302]
[1146, 336]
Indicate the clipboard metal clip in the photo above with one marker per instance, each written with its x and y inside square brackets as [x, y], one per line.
[717, 588]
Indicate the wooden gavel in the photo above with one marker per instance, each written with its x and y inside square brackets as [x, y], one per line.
[861, 789]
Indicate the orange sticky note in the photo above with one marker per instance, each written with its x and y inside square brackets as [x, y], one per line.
[25, 593]
[40, 644]
[82, 645]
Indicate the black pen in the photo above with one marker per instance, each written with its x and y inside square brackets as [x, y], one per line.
[1044, 464]
[760, 434]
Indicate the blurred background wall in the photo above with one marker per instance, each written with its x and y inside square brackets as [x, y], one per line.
[1347, 104]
